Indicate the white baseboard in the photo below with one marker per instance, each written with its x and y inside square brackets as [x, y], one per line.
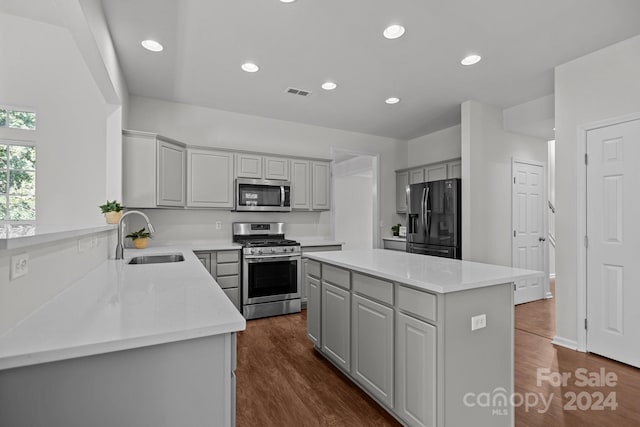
[564, 342]
[548, 295]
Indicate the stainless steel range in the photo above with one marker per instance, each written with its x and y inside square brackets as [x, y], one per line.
[271, 269]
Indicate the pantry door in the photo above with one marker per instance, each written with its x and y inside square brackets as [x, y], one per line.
[529, 235]
[613, 242]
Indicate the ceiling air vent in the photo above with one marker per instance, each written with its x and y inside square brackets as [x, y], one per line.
[294, 91]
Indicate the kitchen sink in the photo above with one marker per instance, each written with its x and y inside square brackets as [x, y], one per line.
[156, 259]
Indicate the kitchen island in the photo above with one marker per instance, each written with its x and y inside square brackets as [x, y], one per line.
[145, 345]
[430, 339]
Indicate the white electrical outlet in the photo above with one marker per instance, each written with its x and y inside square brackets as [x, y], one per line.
[478, 322]
[218, 225]
[19, 265]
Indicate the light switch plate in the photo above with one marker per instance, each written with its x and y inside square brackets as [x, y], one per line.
[478, 322]
[19, 265]
[218, 225]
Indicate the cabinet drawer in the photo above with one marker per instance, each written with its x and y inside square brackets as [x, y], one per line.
[422, 304]
[335, 275]
[227, 269]
[234, 296]
[227, 256]
[226, 282]
[375, 288]
[313, 268]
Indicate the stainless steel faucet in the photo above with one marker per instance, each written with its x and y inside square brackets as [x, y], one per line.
[120, 245]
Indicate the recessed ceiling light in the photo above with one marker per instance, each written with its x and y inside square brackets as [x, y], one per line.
[392, 100]
[287, 1]
[393, 31]
[152, 45]
[329, 85]
[471, 59]
[250, 67]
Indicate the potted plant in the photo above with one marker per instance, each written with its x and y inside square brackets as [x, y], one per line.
[395, 229]
[112, 211]
[139, 238]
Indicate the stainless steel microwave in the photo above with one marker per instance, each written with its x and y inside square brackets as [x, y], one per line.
[263, 195]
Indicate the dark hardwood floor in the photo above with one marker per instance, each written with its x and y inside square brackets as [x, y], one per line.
[282, 381]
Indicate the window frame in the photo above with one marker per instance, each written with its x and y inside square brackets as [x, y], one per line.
[10, 108]
[20, 143]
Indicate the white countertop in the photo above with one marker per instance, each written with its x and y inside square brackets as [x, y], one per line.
[118, 306]
[18, 236]
[440, 275]
[395, 238]
[318, 242]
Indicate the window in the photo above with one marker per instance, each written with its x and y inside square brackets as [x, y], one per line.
[17, 182]
[17, 119]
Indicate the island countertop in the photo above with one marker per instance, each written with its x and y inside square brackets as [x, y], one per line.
[118, 306]
[435, 274]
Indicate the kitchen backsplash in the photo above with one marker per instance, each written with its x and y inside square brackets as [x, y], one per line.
[173, 225]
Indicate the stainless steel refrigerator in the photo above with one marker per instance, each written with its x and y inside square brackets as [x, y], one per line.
[433, 218]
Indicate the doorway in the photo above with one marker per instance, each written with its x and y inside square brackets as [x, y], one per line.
[355, 197]
[612, 241]
[529, 231]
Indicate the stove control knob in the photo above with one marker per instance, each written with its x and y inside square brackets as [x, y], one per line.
[260, 251]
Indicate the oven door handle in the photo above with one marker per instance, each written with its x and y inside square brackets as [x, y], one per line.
[270, 258]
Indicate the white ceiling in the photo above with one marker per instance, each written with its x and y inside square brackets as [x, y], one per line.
[304, 43]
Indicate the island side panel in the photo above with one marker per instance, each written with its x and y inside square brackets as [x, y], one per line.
[185, 383]
[478, 365]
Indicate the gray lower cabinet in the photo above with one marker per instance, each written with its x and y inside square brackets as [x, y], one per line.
[336, 329]
[224, 266]
[415, 371]
[304, 291]
[313, 310]
[372, 344]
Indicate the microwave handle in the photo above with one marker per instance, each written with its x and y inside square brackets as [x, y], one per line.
[282, 195]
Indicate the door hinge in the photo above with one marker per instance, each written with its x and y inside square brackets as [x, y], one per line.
[586, 242]
[514, 233]
[514, 287]
[514, 179]
[586, 159]
[585, 324]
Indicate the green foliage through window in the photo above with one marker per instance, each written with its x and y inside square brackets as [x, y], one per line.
[16, 119]
[17, 183]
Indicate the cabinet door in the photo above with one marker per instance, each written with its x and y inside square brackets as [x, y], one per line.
[313, 309]
[301, 185]
[205, 259]
[234, 296]
[336, 327]
[402, 182]
[276, 168]
[372, 344]
[248, 166]
[416, 176]
[139, 156]
[454, 169]
[209, 179]
[435, 173]
[416, 371]
[171, 174]
[321, 185]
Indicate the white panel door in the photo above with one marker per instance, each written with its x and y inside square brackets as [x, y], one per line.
[613, 252]
[529, 236]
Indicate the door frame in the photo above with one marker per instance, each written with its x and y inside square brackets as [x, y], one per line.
[545, 225]
[375, 220]
[581, 223]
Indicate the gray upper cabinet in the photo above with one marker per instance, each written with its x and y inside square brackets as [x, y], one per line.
[301, 184]
[248, 166]
[402, 182]
[153, 171]
[171, 174]
[321, 185]
[435, 172]
[209, 178]
[416, 176]
[276, 168]
[454, 169]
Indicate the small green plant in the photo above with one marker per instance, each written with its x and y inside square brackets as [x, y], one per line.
[395, 229]
[110, 207]
[140, 234]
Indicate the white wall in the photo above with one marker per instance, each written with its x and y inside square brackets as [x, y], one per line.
[442, 145]
[353, 199]
[551, 195]
[42, 68]
[216, 128]
[487, 151]
[601, 85]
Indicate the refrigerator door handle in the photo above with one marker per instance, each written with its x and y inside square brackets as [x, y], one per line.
[423, 212]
